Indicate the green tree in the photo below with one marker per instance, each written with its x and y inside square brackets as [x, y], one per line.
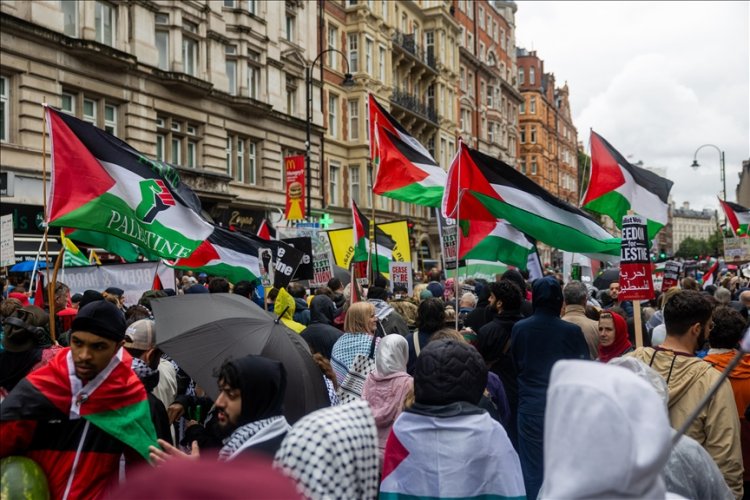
[691, 248]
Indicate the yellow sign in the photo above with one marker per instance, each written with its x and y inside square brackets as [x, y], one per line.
[342, 243]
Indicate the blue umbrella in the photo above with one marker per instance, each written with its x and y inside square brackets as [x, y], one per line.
[27, 266]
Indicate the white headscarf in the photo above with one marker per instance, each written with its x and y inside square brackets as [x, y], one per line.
[391, 355]
[606, 434]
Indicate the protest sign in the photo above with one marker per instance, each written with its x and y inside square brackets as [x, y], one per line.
[304, 245]
[342, 243]
[736, 249]
[134, 278]
[401, 275]
[7, 248]
[671, 276]
[448, 231]
[635, 262]
[322, 261]
[288, 260]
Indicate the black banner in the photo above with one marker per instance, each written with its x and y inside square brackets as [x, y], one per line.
[304, 244]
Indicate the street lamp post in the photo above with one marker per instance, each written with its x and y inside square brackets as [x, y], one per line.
[721, 166]
[347, 82]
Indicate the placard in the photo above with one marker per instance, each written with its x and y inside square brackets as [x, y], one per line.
[289, 259]
[736, 249]
[134, 278]
[304, 245]
[295, 187]
[671, 276]
[448, 232]
[401, 275]
[7, 247]
[342, 242]
[635, 263]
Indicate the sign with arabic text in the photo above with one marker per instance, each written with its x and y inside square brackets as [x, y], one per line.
[635, 263]
[671, 277]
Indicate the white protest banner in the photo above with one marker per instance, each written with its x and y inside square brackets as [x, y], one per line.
[7, 248]
[134, 278]
[401, 275]
[448, 233]
[322, 261]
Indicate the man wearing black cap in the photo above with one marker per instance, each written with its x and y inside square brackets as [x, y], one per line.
[76, 416]
[116, 296]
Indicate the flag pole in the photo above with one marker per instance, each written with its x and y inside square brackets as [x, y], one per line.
[50, 284]
[581, 192]
[51, 295]
[36, 261]
[458, 220]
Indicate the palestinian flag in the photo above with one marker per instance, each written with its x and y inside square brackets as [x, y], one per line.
[405, 169]
[228, 254]
[494, 241]
[384, 244]
[112, 244]
[100, 183]
[709, 277]
[114, 401]
[493, 190]
[737, 216]
[264, 231]
[73, 257]
[616, 186]
[469, 457]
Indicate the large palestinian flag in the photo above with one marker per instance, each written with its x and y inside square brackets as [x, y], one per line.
[616, 186]
[228, 254]
[737, 216]
[102, 184]
[115, 400]
[112, 244]
[494, 241]
[493, 190]
[406, 171]
[384, 244]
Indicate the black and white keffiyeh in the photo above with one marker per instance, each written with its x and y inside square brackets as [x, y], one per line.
[142, 369]
[252, 433]
[333, 453]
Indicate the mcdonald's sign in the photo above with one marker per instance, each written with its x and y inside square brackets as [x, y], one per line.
[295, 187]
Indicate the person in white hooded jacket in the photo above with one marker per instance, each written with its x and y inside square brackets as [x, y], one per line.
[606, 434]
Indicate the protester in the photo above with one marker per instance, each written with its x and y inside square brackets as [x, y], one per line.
[386, 388]
[390, 320]
[301, 310]
[483, 312]
[140, 342]
[284, 307]
[494, 344]
[445, 446]
[613, 337]
[576, 295]
[321, 336]
[687, 317]
[116, 296]
[517, 279]
[217, 285]
[337, 288]
[724, 338]
[430, 318]
[614, 294]
[404, 305]
[599, 416]
[466, 304]
[360, 324]
[333, 453]
[537, 343]
[54, 411]
[249, 410]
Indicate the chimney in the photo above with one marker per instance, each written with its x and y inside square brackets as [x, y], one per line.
[686, 205]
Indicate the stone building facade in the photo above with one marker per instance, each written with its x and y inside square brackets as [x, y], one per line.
[690, 223]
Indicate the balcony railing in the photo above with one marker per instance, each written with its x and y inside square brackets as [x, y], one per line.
[415, 105]
[409, 44]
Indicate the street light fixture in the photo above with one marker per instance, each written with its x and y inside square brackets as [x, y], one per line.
[721, 166]
[347, 82]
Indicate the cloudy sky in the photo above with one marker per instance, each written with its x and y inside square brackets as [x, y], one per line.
[656, 79]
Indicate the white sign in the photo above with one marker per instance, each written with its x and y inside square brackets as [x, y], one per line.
[7, 248]
[401, 275]
[134, 278]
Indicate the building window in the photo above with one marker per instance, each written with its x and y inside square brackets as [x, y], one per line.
[470, 42]
[384, 10]
[333, 43]
[290, 22]
[470, 84]
[480, 17]
[523, 135]
[381, 63]
[105, 20]
[368, 56]
[521, 76]
[354, 119]
[189, 55]
[89, 111]
[162, 47]
[252, 7]
[369, 186]
[232, 76]
[353, 52]
[333, 104]
[177, 141]
[532, 105]
[334, 170]
[354, 182]
[466, 120]
[253, 80]
[532, 76]
[291, 96]
[70, 17]
[533, 134]
[489, 97]
[481, 51]
[110, 118]
[4, 109]
[534, 168]
[68, 103]
[229, 150]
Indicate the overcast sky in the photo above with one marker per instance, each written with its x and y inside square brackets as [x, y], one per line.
[656, 79]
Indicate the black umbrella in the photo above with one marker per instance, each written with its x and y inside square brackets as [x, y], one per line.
[201, 331]
[606, 277]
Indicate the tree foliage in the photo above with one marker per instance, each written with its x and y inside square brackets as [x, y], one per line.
[690, 248]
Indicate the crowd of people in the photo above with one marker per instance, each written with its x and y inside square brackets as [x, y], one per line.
[468, 389]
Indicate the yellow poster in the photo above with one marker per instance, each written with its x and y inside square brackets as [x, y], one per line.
[342, 243]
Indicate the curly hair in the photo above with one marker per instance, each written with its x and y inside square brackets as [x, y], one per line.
[431, 315]
[728, 328]
[683, 310]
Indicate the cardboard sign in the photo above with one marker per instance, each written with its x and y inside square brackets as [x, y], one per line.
[671, 276]
[342, 243]
[736, 249]
[134, 278]
[401, 275]
[295, 187]
[322, 262]
[448, 232]
[7, 247]
[635, 262]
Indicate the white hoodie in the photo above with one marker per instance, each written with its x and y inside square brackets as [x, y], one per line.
[606, 434]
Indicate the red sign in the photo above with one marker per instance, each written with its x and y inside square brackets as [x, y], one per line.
[295, 187]
[671, 275]
[635, 262]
